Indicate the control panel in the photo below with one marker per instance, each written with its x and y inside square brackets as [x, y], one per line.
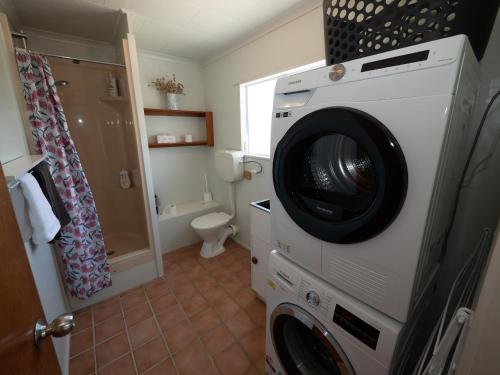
[314, 295]
[357, 327]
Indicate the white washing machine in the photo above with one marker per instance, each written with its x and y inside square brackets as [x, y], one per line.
[313, 328]
[366, 162]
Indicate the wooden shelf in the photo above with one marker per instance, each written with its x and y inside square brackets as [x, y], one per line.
[173, 112]
[177, 144]
[209, 124]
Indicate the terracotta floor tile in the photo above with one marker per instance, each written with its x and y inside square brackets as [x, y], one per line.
[196, 272]
[184, 292]
[260, 365]
[150, 354]
[109, 328]
[81, 341]
[164, 368]
[111, 349]
[192, 360]
[217, 340]
[142, 332]
[254, 343]
[252, 371]
[194, 304]
[212, 266]
[205, 283]
[178, 281]
[219, 273]
[133, 299]
[163, 303]
[106, 311]
[231, 284]
[132, 290]
[122, 366]
[232, 361]
[179, 336]
[82, 320]
[82, 364]
[256, 310]
[137, 314]
[240, 324]
[157, 289]
[245, 297]
[215, 295]
[205, 321]
[170, 318]
[226, 308]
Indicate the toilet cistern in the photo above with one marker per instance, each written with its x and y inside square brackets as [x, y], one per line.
[215, 228]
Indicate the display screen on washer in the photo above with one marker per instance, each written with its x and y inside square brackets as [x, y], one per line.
[395, 61]
[356, 327]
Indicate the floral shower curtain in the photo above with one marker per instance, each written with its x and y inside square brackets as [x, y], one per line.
[86, 268]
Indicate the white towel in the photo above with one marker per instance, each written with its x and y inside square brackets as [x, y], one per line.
[44, 222]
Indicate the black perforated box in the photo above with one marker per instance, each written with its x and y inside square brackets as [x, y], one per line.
[358, 28]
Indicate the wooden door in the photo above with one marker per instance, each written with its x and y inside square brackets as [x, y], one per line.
[20, 306]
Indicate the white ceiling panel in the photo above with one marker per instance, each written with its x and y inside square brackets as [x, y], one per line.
[187, 28]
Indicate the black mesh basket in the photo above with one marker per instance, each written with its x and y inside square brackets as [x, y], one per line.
[358, 28]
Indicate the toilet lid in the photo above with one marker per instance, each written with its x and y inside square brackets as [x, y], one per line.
[211, 220]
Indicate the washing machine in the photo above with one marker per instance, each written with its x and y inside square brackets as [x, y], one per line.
[367, 157]
[313, 328]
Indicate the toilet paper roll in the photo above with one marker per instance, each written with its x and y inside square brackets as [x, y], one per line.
[172, 209]
[188, 138]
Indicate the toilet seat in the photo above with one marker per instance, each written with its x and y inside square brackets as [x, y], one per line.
[211, 220]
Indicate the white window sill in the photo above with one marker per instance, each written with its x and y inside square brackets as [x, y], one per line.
[255, 156]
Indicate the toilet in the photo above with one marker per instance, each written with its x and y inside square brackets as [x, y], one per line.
[214, 228]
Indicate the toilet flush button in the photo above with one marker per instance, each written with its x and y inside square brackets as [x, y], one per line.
[337, 72]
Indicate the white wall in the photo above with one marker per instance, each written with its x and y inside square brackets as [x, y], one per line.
[177, 172]
[295, 43]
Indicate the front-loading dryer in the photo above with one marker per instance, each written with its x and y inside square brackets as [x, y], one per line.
[313, 328]
[367, 158]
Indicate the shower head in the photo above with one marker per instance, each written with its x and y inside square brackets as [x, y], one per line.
[62, 83]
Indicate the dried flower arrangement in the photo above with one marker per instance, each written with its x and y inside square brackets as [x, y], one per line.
[168, 86]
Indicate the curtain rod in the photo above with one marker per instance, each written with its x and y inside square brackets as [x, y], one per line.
[24, 37]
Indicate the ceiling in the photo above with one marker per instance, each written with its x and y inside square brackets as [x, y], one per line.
[195, 29]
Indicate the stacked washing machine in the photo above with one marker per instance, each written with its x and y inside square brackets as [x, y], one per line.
[367, 157]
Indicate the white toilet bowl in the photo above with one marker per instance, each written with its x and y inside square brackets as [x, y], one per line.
[214, 229]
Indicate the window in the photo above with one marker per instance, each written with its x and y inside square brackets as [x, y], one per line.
[256, 103]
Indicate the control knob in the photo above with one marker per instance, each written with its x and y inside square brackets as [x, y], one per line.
[312, 298]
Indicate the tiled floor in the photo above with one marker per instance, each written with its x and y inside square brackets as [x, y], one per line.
[202, 318]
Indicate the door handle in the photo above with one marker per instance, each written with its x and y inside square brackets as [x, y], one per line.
[60, 326]
[255, 260]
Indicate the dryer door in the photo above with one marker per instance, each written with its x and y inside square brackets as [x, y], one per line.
[304, 346]
[340, 175]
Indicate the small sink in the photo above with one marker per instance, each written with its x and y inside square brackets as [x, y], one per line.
[264, 205]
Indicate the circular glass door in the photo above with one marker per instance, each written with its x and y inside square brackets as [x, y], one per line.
[340, 175]
[304, 346]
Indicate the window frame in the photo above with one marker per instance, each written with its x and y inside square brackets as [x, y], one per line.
[244, 103]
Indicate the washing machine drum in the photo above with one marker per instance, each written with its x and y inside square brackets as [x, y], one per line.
[304, 346]
[340, 175]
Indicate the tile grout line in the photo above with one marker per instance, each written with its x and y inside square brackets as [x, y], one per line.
[127, 334]
[93, 339]
[161, 330]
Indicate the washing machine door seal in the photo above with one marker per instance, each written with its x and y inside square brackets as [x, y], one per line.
[304, 346]
[340, 174]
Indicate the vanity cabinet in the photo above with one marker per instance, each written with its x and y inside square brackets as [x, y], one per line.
[260, 221]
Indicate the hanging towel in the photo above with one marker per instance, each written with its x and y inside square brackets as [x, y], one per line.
[45, 224]
[44, 178]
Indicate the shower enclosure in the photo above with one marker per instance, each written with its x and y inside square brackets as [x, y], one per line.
[104, 133]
